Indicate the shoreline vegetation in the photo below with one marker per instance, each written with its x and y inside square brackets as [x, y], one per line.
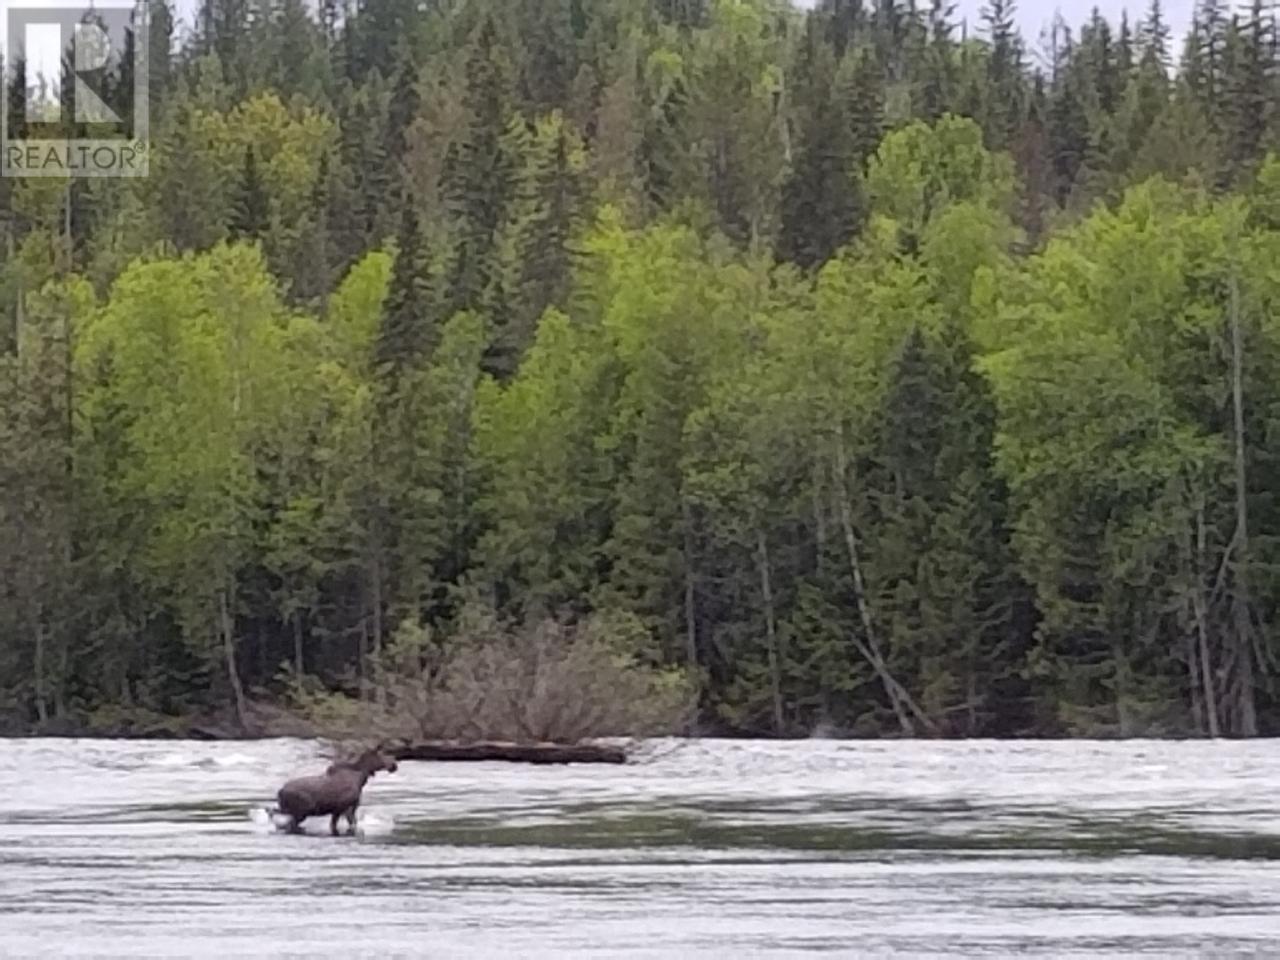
[560, 369]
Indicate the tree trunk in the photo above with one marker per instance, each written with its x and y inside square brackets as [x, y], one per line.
[42, 703]
[487, 751]
[227, 628]
[771, 630]
[1201, 613]
[819, 516]
[362, 645]
[903, 704]
[376, 637]
[68, 241]
[1193, 671]
[1124, 719]
[690, 595]
[60, 686]
[373, 649]
[19, 298]
[297, 643]
[1245, 712]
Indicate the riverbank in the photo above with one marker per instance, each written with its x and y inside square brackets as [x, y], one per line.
[276, 723]
[264, 722]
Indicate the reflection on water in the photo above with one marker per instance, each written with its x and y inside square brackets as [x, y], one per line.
[709, 848]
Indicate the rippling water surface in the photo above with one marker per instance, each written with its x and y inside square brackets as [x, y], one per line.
[708, 848]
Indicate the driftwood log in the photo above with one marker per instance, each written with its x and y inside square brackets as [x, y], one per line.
[543, 753]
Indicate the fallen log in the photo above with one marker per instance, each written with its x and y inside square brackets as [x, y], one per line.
[541, 753]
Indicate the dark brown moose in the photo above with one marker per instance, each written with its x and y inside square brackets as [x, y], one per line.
[336, 794]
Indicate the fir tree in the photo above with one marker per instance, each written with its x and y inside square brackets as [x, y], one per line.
[1004, 72]
[543, 245]
[250, 212]
[1154, 36]
[314, 268]
[550, 63]
[483, 176]
[408, 333]
[842, 21]
[820, 200]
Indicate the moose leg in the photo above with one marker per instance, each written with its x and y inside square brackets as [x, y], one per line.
[351, 819]
[333, 823]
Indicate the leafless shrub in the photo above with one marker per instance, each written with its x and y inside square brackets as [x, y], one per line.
[549, 682]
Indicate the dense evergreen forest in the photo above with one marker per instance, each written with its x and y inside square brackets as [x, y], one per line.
[878, 374]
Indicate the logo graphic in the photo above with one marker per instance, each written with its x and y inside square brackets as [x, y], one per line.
[75, 88]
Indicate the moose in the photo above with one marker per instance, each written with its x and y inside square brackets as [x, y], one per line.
[335, 794]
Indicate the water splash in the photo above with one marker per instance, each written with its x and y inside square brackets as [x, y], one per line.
[374, 824]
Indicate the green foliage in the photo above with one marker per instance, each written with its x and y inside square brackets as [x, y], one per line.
[858, 372]
[920, 171]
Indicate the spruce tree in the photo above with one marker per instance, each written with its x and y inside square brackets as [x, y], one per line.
[483, 177]
[664, 145]
[937, 73]
[408, 333]
[250, 212]
[686, 14]
[820, 199]
[314, 256]
[1154, 35]
[1004, 72]
[1251, 85]
[550, 61]
[402, 111]
[543, 246]
[842, 21]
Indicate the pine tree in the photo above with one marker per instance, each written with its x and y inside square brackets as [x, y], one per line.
[295, 46]
[1070, 127]
[380, 36]
[368, 164]
[686, 14]
[664, 146]
[619, 130]
[314, 264]
[543, 245]
[937, 83]
[250, 212]
[402, 111]
[550, 61]
[225, 32]
[483, 177]
[408, 333]
[1004, 72]
[890, 26]
[820, 200]
[188, 200]
[841, 23]
[1154, 35]
[1251, 85]
[159, 52]
[343, 221]
[859, 87]
[1205, 65]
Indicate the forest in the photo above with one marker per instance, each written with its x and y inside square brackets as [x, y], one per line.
[848, 371]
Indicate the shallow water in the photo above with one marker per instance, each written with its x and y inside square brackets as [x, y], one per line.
[708, 848]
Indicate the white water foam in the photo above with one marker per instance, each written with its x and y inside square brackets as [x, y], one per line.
[234, 760]
[374, 824]
[172, 760]
[367, 824]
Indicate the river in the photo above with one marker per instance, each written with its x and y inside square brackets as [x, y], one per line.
[697, 849]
